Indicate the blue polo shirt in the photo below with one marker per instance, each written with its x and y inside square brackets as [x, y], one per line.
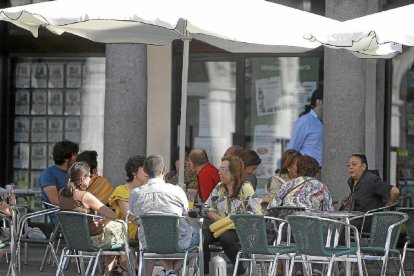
[307, 136]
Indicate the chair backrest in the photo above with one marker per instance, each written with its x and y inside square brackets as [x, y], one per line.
[75, 229]
[410, 222]
[251, 230]
[283, 211]
[161, 233]
[308, 234]
[381, 221]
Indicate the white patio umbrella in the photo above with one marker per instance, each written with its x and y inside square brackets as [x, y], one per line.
[233, 25]
[381, 34]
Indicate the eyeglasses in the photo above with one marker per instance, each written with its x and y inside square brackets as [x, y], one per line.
[224, 169]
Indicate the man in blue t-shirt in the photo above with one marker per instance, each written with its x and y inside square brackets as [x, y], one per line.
[54, 178]
[308, 131]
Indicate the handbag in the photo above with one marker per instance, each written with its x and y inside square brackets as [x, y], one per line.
[348, 203]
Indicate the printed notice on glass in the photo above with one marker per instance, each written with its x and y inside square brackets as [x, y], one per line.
[72, 129]
[55, 132]
[21, 178]
[21, 156]
[268, 95]
[209, 119]
[410, 124]
[268, 146]
[50, 161]
[34, 184]
[22, 75]
[22, 103]
[39, 75]
[73, 102]
[39, 102]
[55, 75]
[73, 75]
[38, 129]
[38, 156]
[55, 102]
[21, 129]
[301, 92]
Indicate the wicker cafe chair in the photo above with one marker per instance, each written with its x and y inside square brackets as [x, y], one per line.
[161, 235]
[282, 212]
[409, 244]
[251, 230]
[385, 230]
[75, 229]
[309, 235]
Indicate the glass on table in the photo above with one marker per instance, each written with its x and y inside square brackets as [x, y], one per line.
[190, 197]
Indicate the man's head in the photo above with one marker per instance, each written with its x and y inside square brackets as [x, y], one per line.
[197, 158]
[233, 150]
[65, 153]
[317, 101]
[90, 157]
[154, 166]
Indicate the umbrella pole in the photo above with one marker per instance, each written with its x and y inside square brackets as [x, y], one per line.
[183, 119]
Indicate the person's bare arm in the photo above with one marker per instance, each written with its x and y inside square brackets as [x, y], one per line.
[394, 193]
[5, 209]
[213, 216]
[90, 201]
[52, 194]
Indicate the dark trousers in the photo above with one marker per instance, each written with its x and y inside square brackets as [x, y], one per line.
[229, 241]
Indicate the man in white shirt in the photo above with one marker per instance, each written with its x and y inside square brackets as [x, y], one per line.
[156, 196]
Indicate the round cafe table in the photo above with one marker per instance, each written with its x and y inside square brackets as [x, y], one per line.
[344, 216]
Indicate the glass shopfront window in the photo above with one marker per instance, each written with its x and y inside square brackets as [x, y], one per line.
[54, 99]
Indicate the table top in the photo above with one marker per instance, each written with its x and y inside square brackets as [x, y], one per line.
[331, 214]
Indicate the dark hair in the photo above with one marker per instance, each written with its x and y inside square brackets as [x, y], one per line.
[175, 155]
[154, 165]
[361, 157]
[90, 157]
[234, 150]
[307, 166]
[64, 150]
[75, 174]
[316, 95]
[288, 159]
[198, 157]
[236, 167]
[250, 157]
[132, 165]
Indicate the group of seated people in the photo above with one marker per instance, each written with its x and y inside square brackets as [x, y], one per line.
[228, 190]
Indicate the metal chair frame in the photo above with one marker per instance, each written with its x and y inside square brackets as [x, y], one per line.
[410, 231]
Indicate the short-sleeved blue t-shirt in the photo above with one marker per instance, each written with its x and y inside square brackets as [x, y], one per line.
[52, 176]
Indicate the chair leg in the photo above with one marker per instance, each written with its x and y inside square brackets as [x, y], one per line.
[141, 260]
[384, 265]
[96, 262]
[292, 264]
[236, 264]
[273, 268]
[359, 262]
[185, 263]
[401, 270]
[44, 257]
[331, 261]
[61, 264]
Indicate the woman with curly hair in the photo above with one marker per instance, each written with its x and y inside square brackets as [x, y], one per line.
[231, 196]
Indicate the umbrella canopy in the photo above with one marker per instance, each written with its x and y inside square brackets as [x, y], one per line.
[379, 34]
[233, 25]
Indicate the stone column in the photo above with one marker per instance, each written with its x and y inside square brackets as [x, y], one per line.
[125, 126]
[343, 104]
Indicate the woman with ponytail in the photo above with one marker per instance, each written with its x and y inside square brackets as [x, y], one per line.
[74, 197]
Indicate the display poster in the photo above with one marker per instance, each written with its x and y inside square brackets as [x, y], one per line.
[410, 124]
[39, 75]
[39, 102]
[39, 129]
[214, 147]
[22, 75]
[55, 75]
[268, 94]
[38, 156]
[55, 102]
[21, 129]
[268, 146]
[73, 75]
[21, 155]
[21, 178]
[72, 129]
[55, 131]
[22, 102]
[209, 118]
[73, 102]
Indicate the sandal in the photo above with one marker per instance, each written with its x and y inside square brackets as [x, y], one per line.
[119, 270]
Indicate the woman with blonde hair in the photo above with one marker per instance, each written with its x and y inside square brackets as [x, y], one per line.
[231, 196]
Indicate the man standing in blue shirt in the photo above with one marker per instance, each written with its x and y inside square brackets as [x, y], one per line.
[308, 131]
[54, 178]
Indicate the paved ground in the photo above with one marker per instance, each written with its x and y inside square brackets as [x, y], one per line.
[36, 253]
